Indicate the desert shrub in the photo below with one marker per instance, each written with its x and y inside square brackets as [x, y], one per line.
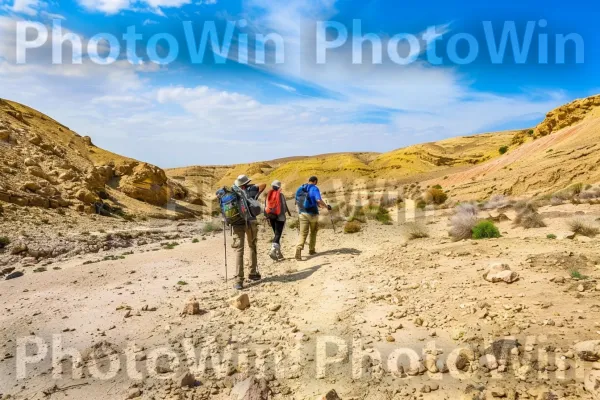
[4, 241]
[357, 214]
[435, 196]
[415, 230]
[195, 240]
[421, 204]
[556, 201]
[463, 221]
[576, 188]
[377, 213]
[212, 226]
[438, 186]
[583, 227]
[551, 236]
[528, 217]
[352, 227]
[485, 230]
[496, 201]
[503, 149]
[578, 275]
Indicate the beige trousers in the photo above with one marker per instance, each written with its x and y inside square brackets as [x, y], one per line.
[308, 223]
[240, 234]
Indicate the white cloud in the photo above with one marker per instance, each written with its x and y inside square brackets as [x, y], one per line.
[115, 6]
[27, 7]
[284, 87]
[105, 6]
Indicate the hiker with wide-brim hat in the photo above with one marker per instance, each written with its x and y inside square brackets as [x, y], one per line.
[275, 211]
[246, 230]
[308, 200]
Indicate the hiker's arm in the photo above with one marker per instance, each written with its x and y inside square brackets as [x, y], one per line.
[322, 204]
[261, 188]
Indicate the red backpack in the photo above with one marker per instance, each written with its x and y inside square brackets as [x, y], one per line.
[273, 204]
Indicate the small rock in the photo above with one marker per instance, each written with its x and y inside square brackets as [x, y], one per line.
[240, 302]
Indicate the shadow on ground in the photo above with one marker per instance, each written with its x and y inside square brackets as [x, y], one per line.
[345, 250]
[293, 277]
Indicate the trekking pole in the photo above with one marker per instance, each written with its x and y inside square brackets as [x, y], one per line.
[331, 218]
[225, 246]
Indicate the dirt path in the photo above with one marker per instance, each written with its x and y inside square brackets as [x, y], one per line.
[372, 292]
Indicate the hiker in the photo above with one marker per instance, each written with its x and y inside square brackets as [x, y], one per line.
[246, 229]
[308, 200]
[275, 210]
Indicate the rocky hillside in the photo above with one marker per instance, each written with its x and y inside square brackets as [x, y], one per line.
[561, 151]
[343, 169]
[45, 164]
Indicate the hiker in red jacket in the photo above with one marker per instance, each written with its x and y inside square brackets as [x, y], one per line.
[275, 210]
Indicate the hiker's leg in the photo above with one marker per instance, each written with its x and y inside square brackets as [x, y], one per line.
[273, 223]
[278, 231]
[239, 236]
[314, 228]
[304, 228]
[252, 234]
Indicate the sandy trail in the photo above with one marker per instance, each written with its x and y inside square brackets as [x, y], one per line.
[372, 286]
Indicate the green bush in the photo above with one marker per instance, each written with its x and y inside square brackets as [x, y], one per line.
[383, 216]
[4, 241]
[551, 236]
[503, 149]
[195, 240]
[485, 230]
[352, 227]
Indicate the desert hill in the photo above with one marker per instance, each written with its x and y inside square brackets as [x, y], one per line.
[538, 161]
[45, 164]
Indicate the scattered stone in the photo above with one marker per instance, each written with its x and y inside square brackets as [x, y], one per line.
[588, 350]
[192, 307]
[250, 389]
[331, 395]
[240, 302]
[498, 272]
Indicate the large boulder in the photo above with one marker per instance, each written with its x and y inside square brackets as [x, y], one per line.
[146, 183]
[592, 384]
[588, 350]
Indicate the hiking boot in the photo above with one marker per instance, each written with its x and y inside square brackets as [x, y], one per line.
[273, 252]
[255, 277]
[299, 255]
[279, 255]
[312, 252]
[238, 286]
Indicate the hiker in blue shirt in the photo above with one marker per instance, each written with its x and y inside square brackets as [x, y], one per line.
[308, 200]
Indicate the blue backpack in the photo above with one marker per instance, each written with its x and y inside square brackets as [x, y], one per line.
[304, 201]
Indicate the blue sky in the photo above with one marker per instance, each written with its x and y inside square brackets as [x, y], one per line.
[210, 113]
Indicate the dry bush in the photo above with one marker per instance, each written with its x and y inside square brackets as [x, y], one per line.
[528, 217]
[352, 227]
[415, 230]
[463, 221]
[496, 201]
[581, 226]
[435, 195]
[357, 214]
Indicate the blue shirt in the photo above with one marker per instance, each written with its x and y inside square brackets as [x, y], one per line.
[315, 195]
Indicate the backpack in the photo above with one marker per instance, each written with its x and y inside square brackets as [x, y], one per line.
[250, 199]
[301, 196]
[233, 207]
[304, 201]
[273, 204]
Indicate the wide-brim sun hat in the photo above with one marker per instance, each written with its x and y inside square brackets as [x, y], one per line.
[242, 180]
[276, 183]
